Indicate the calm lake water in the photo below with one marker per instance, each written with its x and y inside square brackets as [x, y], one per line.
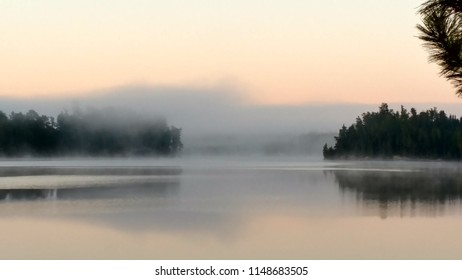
[267, 208]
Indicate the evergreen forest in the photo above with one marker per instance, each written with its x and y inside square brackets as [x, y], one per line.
[93, 133]
[430, 134]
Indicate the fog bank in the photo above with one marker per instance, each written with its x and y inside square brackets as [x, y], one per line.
[219, 120]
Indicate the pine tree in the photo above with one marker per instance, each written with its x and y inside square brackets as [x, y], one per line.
[441, 32]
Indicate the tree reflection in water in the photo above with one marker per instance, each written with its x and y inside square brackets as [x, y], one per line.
[113, 191]
[416, 193]
[132, 182]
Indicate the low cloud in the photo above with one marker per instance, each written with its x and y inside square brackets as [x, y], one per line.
[216, 112]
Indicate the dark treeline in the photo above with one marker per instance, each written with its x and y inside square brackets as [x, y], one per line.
[430, 134]
[95, 133]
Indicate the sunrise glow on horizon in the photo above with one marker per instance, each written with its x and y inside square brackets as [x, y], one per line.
[276, 52]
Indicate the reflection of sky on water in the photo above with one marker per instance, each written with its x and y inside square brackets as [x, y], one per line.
[264, 211]
[205, 199]
[213, 198]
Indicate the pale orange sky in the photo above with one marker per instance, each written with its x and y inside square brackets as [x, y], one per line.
[276, 51]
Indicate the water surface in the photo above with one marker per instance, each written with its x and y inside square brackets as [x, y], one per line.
[267, 208]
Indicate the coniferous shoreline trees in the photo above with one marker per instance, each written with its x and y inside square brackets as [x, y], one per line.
[93, 133]
[387, 133]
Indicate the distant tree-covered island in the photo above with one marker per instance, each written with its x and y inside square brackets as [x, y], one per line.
[107, 132]
[430, 134]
